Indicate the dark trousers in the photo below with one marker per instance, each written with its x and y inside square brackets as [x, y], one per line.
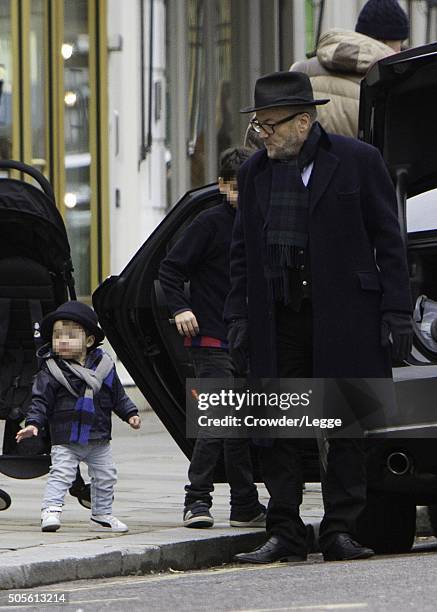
[344, 487]
[216, 363]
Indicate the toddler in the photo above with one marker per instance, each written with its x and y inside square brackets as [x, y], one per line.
[74, 394]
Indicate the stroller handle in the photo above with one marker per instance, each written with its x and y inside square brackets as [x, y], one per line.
[33, 172]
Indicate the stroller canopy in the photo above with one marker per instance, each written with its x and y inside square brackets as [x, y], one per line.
[31, 226]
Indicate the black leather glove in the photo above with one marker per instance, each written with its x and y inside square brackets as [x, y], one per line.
[400, 326]
[238, 339]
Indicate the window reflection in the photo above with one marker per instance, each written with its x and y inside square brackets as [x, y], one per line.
[223, 61]
[75, 51]
[5, 81]
[38, 80]
[422, 212]
[196, 91]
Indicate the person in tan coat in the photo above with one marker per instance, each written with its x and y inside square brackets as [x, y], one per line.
[343, 58]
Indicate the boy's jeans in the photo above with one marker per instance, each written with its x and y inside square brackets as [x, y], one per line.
[216, 363]
[97, 455]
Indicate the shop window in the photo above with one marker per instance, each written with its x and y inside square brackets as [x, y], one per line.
[77, 198]
[6, 80]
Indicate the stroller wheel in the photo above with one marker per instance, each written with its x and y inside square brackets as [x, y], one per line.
[83, 494]
[84, 497]
[5, 500]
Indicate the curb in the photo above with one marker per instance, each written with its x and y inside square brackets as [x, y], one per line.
[133, 554]
[123, 556]
[423, 523]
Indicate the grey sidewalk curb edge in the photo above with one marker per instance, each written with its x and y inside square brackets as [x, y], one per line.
[126, 558]
[129, 560]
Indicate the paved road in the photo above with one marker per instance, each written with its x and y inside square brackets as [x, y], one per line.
[397, 583]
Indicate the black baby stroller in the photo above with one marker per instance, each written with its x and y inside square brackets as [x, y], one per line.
[35, 277]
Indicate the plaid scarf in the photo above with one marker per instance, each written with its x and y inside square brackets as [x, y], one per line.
[94, 377]
[288, 217]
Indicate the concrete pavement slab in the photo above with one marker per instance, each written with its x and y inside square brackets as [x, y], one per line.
[148, 497]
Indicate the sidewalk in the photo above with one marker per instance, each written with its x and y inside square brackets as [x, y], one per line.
[149, 496]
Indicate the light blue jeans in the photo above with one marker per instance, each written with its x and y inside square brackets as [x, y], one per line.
[97, 455]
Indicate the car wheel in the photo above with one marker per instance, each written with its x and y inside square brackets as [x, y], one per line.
[5, 500]
[388, 524]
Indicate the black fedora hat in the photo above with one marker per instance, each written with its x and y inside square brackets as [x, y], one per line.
[283, 89]
[73, 311]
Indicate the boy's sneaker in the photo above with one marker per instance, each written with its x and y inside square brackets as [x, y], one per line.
[107, 522]
[198, 516]
[255, 519]
[51, 518]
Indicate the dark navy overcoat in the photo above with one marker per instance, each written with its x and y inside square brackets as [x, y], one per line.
[358, 260]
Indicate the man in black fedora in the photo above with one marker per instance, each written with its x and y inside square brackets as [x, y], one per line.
[319, 288]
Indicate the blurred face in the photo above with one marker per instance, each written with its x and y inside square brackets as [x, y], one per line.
[69, 341]
[230, 190]
[287, 138]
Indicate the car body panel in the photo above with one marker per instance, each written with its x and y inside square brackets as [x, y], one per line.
[396, 115]
[397, 107]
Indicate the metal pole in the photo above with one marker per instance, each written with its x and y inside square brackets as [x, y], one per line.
[319, 23]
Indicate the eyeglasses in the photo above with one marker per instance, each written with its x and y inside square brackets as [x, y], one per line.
[269, 128]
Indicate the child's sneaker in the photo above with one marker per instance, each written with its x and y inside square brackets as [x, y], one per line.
[254, 519]
[107, 522]
[51, 518]
[198, 516]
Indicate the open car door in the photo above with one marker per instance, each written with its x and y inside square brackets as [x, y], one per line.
[133, 312]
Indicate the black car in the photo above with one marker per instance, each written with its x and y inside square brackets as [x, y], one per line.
[396, 115]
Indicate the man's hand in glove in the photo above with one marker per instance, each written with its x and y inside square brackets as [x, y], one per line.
[238, 345]
[397, 327]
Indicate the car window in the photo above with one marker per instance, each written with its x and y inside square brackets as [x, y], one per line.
[422, 212]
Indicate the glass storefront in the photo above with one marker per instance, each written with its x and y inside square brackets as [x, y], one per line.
[77, 197]
[38, 47]
[6, 80]
[196, 90]
[224, 66]
[209, 87]
[51, 56]
[208, 79]
[226, 45]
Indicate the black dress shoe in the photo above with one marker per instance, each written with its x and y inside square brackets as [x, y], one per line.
[273, 550]
[344, 548]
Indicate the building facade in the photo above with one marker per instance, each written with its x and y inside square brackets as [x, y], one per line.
[126, 104]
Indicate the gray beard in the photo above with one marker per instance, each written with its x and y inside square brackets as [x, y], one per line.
[286, 151]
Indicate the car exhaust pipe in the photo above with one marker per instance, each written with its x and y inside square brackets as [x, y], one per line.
[399, 463]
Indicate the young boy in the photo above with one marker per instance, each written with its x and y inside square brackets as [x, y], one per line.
[75, 392]
[202, 257]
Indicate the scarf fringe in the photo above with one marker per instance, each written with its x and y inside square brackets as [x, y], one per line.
[287, 224]
[284, 255]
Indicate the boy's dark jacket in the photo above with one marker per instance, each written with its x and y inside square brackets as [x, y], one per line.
[201, 256]
[53, 405]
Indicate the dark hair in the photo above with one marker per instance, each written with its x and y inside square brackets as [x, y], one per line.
[230, 161]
